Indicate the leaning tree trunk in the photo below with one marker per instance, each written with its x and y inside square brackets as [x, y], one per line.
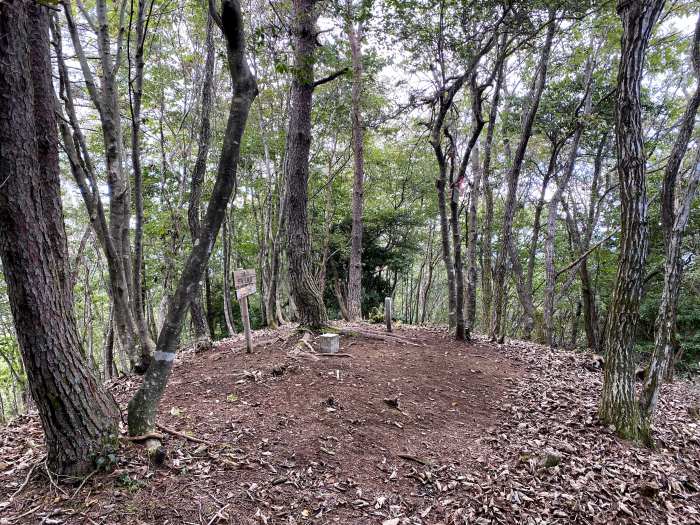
[80, 418]
[304, 289]
[144, 405]
[675, 213]
[355, 270]
[506, 247]
[199, 320]
[618, 405]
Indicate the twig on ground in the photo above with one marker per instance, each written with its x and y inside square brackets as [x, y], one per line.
[82, 483]
[26, 480]
[143, 437]
[413, 458]
[184, 436]
[30, 511]
[218, 514]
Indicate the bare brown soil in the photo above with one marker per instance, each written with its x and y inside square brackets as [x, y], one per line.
[420, 429]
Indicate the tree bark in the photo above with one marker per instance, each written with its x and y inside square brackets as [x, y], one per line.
[113, 234]
[506, 248]
[226, 241]
[618, 405]
[135, 97]
[79, 417]
[308, 299]
[553, 207]
[144, 405]
[487, 231]
[675, 212]
[355, 269]
[199, 320]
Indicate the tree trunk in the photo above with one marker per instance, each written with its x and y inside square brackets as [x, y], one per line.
[113, 234]
[496, 330]
[144, 405]
[355, 269]
[675, 212]
[618, 405]
[135, 106]
[487, 231]
[537, 221]
[227, 276]
[79, 417]
[308, 299]
[199, 321]
[553, 207]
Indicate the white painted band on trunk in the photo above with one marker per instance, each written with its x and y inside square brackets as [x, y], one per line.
[164, 356]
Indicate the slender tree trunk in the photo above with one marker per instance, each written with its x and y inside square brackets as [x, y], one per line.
[355, 270]
[537, 221]
[199, 320]
[308, 299]
[618, 405]
[553, 207]
[227, 276]
[506, 249]
[487, 231]
[79, 417]
[460, 328]
[135, 106]
[113, 234]
[144, 405]
[675, 212]
[445, 241]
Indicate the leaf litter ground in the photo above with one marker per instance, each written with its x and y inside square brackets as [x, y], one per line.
[411, 428]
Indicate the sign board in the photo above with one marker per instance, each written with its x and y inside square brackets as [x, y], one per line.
[245, 291]
[243, 278]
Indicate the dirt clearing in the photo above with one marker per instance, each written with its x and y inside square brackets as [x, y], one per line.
[416, 428]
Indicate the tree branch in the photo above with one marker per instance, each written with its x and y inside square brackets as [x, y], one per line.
[329, 78]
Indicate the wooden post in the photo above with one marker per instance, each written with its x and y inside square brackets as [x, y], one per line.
[246, 323]
[244, 281]
[387, 313]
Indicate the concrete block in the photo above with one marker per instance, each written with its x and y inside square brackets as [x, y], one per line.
[330, 343]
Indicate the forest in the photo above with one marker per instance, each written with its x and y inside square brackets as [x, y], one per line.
[487, 208]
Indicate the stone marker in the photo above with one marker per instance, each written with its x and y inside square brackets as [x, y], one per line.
[330, 343]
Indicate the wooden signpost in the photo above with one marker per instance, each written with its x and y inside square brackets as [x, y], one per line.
[244, 281]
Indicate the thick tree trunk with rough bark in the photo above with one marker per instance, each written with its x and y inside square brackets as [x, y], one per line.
[618, 405]
[144, 405]
[80, 418]
[506, 248]
[308, 299]
[355, 269]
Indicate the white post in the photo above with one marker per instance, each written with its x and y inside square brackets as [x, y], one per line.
[387, 313]
[246, 324]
